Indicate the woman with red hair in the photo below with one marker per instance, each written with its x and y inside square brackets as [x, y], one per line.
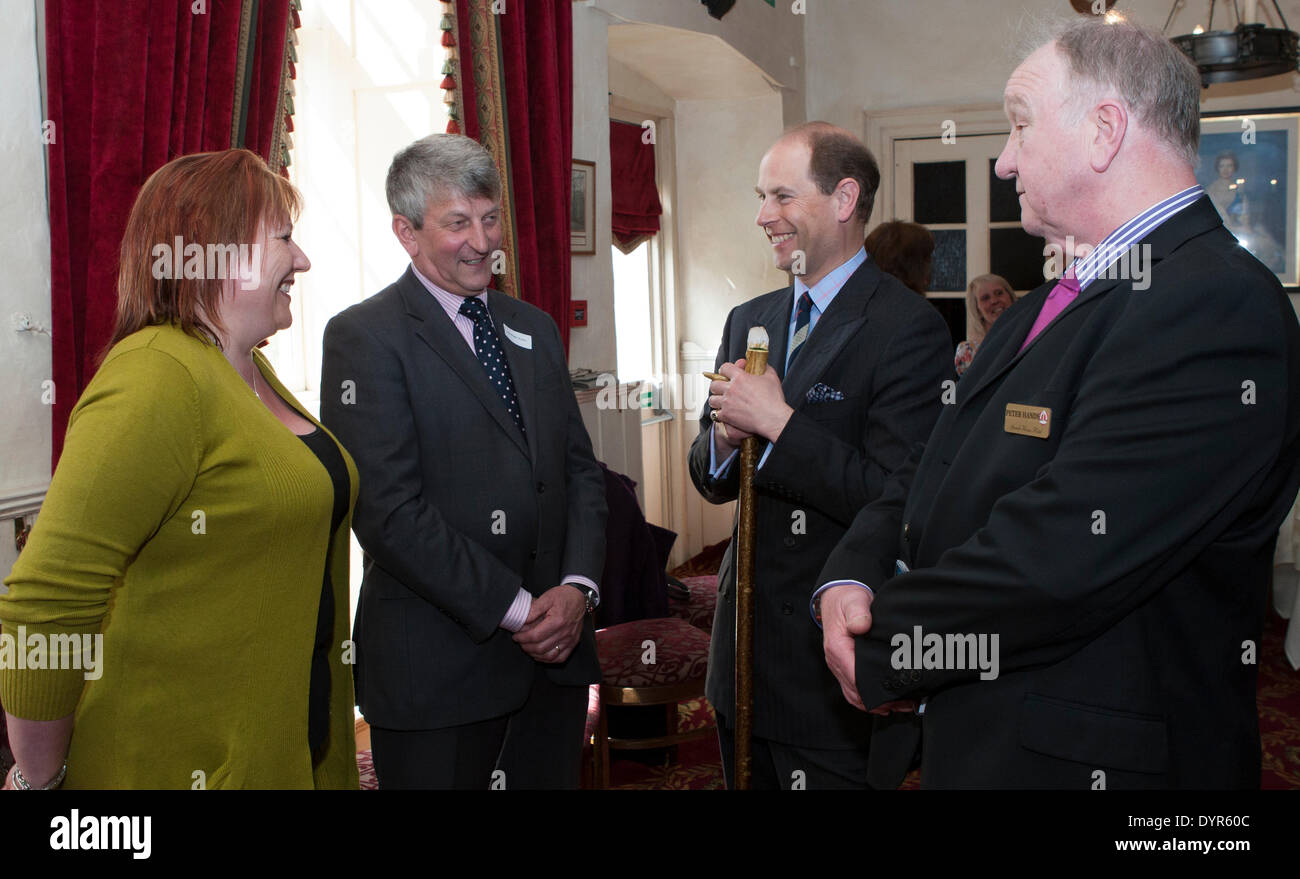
[193, 545]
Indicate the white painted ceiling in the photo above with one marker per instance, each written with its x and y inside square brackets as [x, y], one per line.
[685, 65]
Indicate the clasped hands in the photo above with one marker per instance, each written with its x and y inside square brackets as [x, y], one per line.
[554, 624]
[747, 405]
[846, 613]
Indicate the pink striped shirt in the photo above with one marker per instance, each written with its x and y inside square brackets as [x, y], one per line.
[450, 303]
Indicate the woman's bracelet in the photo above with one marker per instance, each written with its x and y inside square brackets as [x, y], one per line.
[21, 783]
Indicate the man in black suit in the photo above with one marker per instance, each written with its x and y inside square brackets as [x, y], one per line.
[855, 373]
[1086, 541]
[481, 509]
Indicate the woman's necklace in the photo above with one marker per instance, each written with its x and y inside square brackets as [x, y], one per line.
[255, 391]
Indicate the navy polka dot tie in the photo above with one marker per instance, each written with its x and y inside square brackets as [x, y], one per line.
[488, 347]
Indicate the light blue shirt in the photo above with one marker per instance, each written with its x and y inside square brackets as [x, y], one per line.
[822, 294]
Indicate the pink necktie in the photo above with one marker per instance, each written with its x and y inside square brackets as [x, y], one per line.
[1065, 292]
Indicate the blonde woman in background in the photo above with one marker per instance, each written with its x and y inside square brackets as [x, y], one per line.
[986, 298]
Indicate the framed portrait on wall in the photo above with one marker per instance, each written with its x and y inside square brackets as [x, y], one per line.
[1248, 165]
[582, 213]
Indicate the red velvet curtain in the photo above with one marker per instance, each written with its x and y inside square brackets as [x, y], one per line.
[634, 195]
[132, 84]
[264, 113]
[535, 63]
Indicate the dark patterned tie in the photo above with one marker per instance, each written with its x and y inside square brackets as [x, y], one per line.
[488, 347]
[800, 330]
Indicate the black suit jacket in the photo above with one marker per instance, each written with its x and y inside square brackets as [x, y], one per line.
[456, 508]
[1123, 560]
[886, 350]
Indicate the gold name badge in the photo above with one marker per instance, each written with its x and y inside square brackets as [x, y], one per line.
[1028, 420]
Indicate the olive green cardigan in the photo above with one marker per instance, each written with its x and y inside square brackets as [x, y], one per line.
[190, 527]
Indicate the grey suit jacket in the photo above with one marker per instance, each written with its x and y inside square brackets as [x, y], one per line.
[457, 509]
[885, 352]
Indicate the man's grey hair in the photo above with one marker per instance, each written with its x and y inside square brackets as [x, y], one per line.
[1142, 67]
[436, 167]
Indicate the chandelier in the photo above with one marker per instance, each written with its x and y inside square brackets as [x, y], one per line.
[1249, 51]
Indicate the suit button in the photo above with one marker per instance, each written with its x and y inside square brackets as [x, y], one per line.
[532, 554]
[789, 541]
[906, 527]
[787, 608]
[889, 685]
[916, 676]
[541, 487]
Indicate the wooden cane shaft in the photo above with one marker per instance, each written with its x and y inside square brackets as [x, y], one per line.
[755, 363]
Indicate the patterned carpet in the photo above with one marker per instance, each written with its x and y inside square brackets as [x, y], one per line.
[1278, 698]
[700, 768]
[698, 765]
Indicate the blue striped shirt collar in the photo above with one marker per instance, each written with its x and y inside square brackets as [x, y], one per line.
[1118, 242]
[823, 292]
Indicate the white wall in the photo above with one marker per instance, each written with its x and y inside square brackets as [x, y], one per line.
[724, 258]
[718, 144]
[770, 37]
[889, 56]
[889, 53]
[632, 89]
[25, 279]
[592, 276]
[720, 257]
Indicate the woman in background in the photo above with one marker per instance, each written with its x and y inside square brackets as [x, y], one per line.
[1224, 192]
[198, 521]
[1227, 193]
[904, 250]
[986, 298]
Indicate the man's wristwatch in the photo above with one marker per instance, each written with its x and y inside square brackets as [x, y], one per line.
[589, 594]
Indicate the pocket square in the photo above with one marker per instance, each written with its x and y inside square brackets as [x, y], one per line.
[823, 393]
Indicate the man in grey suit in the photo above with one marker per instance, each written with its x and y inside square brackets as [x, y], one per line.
[481, 507]
[855, 378]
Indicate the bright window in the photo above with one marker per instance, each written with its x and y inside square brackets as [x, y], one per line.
[633, 323]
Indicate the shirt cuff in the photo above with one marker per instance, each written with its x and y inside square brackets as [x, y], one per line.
[763, 460]
[579, 580]
[717, 471]
[517, 615]
[814, 606]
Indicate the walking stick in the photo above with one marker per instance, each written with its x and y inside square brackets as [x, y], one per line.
[755, 364]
